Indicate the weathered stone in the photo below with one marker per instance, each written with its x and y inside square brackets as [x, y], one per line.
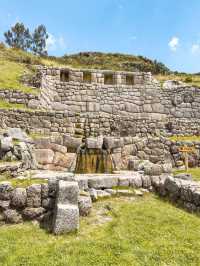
[32, 213]
[85, 205]
[106, 181]
[93, 194]
[67, 192]
[5, 190]
[94, 143]
[4, 204]
[18, 197]
[34, 196]
[102, 194]
[12, 216]
[184, 176]
[44, 156]
[66, 219]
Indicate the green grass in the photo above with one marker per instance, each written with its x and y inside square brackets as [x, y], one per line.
[195, 172]
[144, 232]
[21, 182]
[6, 105]
[185, 138]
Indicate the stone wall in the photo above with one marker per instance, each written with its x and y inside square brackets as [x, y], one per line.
[16, 96]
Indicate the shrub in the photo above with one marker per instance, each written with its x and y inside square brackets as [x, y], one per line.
[188, 79]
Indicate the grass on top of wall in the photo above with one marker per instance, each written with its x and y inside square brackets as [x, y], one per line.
[185, 138]
[146, 231]
[195, 172]
[6, 105]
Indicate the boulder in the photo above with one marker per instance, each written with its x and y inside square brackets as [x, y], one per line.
[18, 198]
[6, 144]
[44, 156]
[85, 205]
[17, 133]
[93, 194]
[33, 213]
[33, 104]
[12, 216]
[34, 196]
[5, 190]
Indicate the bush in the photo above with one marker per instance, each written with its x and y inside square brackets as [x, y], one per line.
[188, 79]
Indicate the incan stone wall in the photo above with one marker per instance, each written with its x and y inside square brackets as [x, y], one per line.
[94, 102]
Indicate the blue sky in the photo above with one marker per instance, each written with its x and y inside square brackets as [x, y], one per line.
[166, 30]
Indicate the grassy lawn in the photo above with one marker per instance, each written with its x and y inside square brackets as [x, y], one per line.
[143, 232]
[195, 172]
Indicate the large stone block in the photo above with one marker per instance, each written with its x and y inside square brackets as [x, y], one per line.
[67, 192]
[5, 190]
[44, 156]
[94, 143]
[71, 142]
[66, 219]
[113, 143]
[18, 197]
[106, 181]
[34, 195]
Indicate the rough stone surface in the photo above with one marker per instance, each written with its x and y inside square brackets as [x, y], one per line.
[67, 219]
[18, 197]
[85, 205]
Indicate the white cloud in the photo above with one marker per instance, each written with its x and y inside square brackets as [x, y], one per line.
[51, 42]
[174, 43]
[55, 43]
[195, 48]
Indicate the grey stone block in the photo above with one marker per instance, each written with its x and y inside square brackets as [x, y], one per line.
[106, 181]
[66, 219]
[67, 192]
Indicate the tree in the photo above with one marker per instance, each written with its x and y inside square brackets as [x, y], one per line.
[39, 40]
[18, 37]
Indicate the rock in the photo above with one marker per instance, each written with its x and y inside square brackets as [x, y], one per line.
[18, 198]
[61, 159]
[12, 216]
[45, 190]
[138, 193]
[18, 134]
[85, 205]
[44, 156]
[34, 196]
[153, 169]
[82, 182]
[59, 106]
[5, 190]
[48, 203]
[66, 219]
[112, 192]
[133, 165]
[167, 168]
[67, 192]
[6, 144]
[102, 194]
[33, 213]
[4, 204]
[106, 181]
[136, 181]
[93, 194]
[112, 143]
[146, 181]
[94, 143]
[33, 104]
[184, 176]
[71, 143]
[123, 181]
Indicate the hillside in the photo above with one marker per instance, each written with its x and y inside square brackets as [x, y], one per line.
[14, 64]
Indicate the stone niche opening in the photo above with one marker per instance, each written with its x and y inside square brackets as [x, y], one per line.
[109, 79]
[130, 79]
[64, 75]
[87, 77]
